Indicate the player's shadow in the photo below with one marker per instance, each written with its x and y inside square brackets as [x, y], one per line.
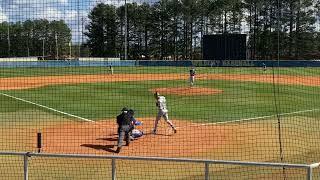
[158, 134]
[108, 139]
[113, 134]
[100, 147]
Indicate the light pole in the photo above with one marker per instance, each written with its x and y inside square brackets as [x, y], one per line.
[82, 34]
[57, 49]
[9, 43]
[126, 30]
[80, 44]
[176, 30]
[70, 49]
[43, 48]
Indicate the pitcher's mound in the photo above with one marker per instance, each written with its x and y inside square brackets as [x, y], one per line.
[188, 91]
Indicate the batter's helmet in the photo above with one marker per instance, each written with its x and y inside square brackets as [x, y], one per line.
[125, 109]
[156, 94]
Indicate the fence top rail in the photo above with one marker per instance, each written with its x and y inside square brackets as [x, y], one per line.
[244, 163]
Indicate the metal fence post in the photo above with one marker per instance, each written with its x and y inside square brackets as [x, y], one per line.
[25, 166]
[113, 165]
[309, 173]
[206, 173]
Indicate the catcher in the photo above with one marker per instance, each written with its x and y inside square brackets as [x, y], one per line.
[134, 133]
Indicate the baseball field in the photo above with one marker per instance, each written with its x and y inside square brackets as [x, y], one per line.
[235, 113]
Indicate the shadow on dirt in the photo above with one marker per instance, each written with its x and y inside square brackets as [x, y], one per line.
[107, 148]
[108, 139]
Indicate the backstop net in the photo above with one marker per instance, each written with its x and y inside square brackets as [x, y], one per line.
[234, 80]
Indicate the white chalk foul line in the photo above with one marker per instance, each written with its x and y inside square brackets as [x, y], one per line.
[265, 117]
[46, 107]
[254, 118]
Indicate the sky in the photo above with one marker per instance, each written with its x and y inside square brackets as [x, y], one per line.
[73, 12]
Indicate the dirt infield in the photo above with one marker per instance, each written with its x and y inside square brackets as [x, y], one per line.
[248, 141]
[228, 141]
[101, 138]
[35, 82]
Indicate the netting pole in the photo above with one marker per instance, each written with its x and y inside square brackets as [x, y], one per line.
[39, 141]
[276, 92]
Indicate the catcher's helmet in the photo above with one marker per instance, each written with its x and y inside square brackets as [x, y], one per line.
[131, 112]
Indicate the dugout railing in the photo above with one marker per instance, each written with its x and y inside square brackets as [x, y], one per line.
[308, 169]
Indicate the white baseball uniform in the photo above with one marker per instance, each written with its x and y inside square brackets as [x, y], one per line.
[162, 112]
[192, 76]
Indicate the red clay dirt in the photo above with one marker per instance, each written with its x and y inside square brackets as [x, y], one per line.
[35, 82]
[101, 137]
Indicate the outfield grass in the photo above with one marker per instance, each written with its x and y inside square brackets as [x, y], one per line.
[28, 72]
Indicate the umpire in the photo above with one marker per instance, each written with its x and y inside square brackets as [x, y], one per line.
[124, 127]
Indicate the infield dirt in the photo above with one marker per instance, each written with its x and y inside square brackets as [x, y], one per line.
[35, 82]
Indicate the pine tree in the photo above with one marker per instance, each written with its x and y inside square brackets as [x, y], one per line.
[102, 31]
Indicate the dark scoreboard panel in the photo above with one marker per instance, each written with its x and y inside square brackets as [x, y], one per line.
[224, 47]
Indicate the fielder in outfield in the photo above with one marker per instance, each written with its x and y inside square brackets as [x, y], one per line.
[162, 112]
[192, 76]
[264, 66]
[111, 70]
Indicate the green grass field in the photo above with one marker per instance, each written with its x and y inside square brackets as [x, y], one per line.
[105, 100]
[240, 100]
[24, 72]
[299, 106]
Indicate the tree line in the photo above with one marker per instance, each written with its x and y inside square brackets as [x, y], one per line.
[35, 38]
[173, 29]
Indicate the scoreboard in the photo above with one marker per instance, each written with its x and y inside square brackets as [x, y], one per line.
[224, 47]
